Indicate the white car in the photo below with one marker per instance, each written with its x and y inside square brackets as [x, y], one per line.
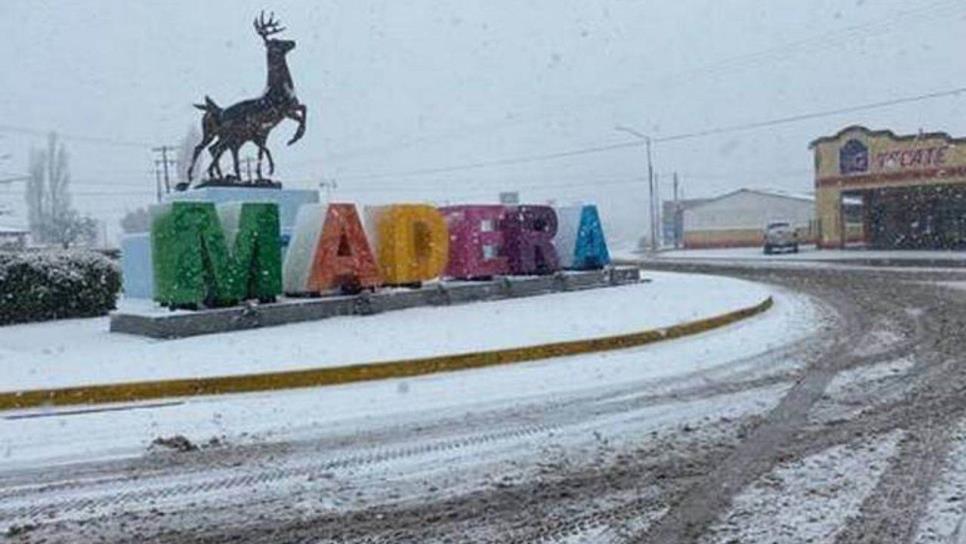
[782, 236]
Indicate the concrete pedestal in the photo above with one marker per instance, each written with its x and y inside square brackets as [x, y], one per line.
[157, 324]
[288, 200]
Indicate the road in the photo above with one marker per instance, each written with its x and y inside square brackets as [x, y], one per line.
[849, 435]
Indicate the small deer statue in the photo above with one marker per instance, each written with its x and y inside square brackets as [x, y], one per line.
[252, 120]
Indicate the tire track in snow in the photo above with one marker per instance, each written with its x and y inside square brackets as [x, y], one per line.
[861, 311]
[29, 508]
[554, 414]
[944, 521]
[807, 499]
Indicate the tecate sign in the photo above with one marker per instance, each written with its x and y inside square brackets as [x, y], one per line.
[909, 158]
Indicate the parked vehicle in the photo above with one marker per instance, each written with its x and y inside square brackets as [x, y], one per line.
[782, 236]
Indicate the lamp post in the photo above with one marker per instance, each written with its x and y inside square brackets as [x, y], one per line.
[650, 182]
[14, 179]
[328, 186]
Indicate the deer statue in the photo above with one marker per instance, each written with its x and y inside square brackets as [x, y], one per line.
[252, 120]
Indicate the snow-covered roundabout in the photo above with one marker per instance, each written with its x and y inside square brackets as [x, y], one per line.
[82, 352]
[192, 466]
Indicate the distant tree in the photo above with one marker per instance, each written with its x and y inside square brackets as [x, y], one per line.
[186, 149]
[49, 211]
[37, 195]
[70, 228]
[138, 220]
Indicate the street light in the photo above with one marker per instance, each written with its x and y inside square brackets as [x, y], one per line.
[14, 179]
[328, 186]
[650, 182]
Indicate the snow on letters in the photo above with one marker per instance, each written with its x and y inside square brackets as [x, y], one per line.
[208, 256]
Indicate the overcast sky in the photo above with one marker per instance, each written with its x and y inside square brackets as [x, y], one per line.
[395, 86]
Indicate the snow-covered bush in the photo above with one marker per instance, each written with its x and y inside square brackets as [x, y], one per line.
[36, 286]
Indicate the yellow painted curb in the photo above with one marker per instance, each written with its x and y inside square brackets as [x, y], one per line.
[291, 379]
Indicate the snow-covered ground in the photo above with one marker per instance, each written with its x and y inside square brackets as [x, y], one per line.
[357, 476]
[945, 517]
[708, 356]
[808, 500]
[82, 351]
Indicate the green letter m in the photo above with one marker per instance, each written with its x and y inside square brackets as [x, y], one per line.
[193, 264]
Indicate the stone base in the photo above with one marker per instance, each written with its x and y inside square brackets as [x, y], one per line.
[181, 324]
[288, 200]
[234, 183]
[137, 269]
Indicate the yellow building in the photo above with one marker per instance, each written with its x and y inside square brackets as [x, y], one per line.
[912, 189]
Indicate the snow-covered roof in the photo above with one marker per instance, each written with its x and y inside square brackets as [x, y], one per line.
[12, 230]
[786, 194]
[780, 193]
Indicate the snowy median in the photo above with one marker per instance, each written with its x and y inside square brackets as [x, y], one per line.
[82, 352]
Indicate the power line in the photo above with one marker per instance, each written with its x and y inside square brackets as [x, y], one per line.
[729, 63]
[146, 192]
[825, 40]
[790, 173]
[497, 162]
[75, 137]
[13, 178]
[584, 183]
[99, 182]
[585, 186]
[808, 116]
[677, 137]
[724, 64]
[73, 193]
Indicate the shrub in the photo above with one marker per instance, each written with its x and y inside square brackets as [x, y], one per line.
[37, 286]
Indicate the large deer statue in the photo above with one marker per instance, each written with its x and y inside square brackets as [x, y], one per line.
[252, 120]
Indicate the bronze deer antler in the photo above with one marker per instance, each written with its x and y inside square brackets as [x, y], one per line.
[266, 28]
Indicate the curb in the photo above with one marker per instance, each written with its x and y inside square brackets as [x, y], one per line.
[873, 262]
[295, 379]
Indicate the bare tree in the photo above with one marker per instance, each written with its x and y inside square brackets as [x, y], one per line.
[36, 194]
[58, 176]
[49, 211]
[69, 228]
[138, 220]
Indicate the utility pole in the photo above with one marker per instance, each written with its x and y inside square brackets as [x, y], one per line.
[652, 189]
[165, 161]
[328, 186]
[678, 213]
[658, 210]
[157, 177]
[652, 206]
[248, 168]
